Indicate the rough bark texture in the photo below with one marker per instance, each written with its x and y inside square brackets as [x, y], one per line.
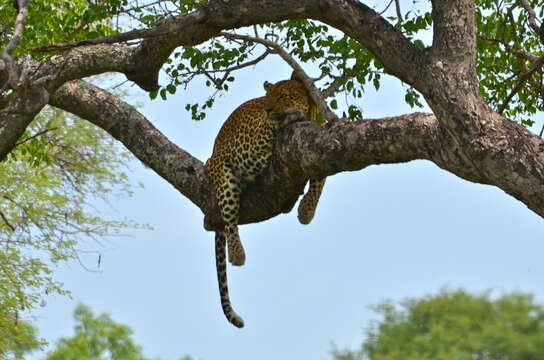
[464, 136]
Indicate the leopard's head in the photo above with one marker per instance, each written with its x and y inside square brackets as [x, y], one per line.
[287, 101]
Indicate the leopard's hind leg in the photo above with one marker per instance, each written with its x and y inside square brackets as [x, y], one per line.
[308, 204]
[228, 197]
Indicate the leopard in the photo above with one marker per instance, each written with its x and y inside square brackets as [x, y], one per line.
[241, 152]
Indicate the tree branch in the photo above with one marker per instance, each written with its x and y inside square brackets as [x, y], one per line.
[303, 150]
[18, 33]
[6, 221]
[13, 73]
[35, 136]
[454, 34]
[126, 124]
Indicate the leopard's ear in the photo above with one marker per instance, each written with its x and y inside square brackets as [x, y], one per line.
[294, 76]
[267, 85]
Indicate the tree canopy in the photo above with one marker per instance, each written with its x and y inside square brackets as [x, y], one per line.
[455, 325]
[96, 337]
[477, 64]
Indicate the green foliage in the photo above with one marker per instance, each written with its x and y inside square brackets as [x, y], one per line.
[55, 21]
[60, 165]
[503, 30]
[18, 339]
[503, 33]
[96, 338]
[335, 55]
[456, 325]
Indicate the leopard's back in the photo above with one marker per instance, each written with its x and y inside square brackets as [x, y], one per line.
[244, 142]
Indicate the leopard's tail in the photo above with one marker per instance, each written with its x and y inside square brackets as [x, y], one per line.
[221, 264]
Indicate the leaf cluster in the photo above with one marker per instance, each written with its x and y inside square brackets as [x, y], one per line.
[58, 21]
[98, 337]
[508, 49]
[458, 325]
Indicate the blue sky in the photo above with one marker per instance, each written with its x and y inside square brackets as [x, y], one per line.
[386, 232]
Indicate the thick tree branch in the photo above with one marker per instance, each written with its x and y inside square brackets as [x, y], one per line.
[454, 34]
[81, 62]
[20, 110]
[146, 142]
[303, 150]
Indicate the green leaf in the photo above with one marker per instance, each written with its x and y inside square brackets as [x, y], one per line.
[419, 44]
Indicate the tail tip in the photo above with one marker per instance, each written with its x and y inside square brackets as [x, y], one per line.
[236, 321]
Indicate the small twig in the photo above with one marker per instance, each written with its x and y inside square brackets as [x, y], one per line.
[510, 14]
[140, 7]
[399, 13]
[522, 79]
[246, 64]
[338, 81]
[334, 87]
[387, 7]
[120, 84]
[35, 136]
[6, 221]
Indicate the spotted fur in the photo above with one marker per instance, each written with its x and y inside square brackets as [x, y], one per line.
[241, 152]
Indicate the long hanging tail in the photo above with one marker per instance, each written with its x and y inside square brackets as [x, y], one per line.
[221, 264]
